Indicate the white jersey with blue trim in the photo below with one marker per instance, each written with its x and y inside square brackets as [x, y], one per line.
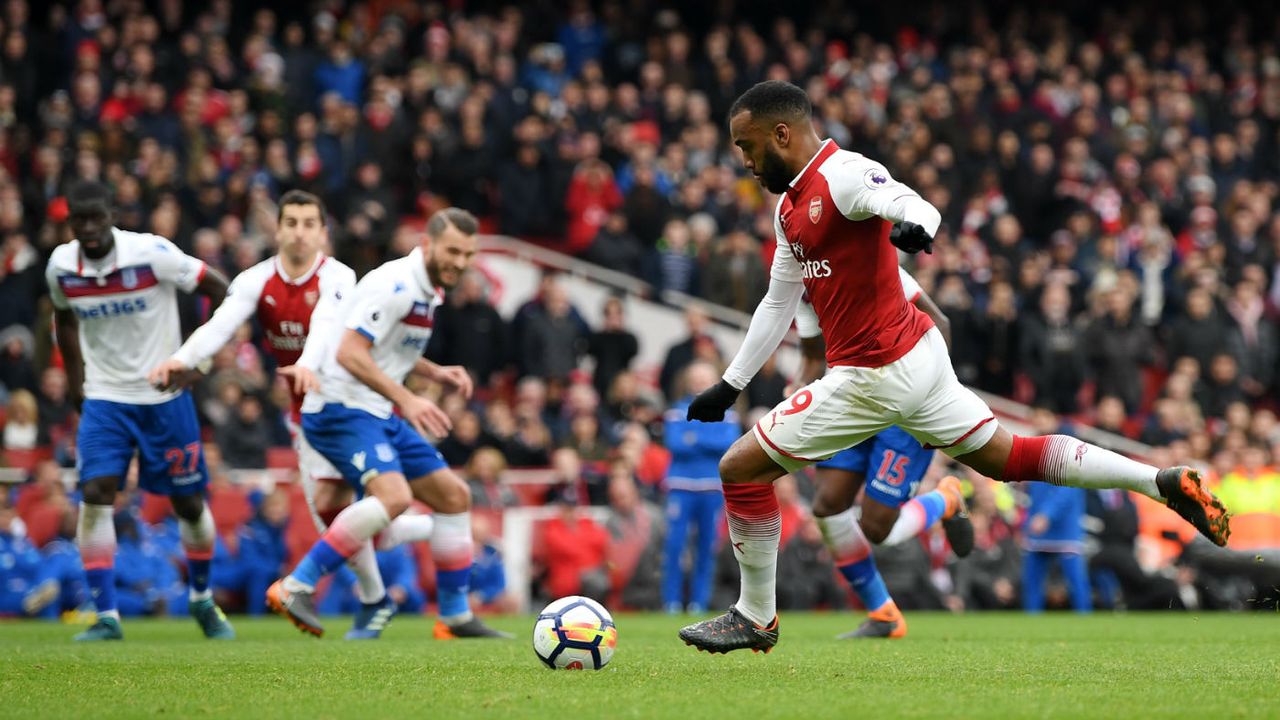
[127, 308]
[394, 307]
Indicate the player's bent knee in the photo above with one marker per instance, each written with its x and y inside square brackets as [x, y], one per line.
[393, 491]
[188, 507]
[875, 529]
[825, 505]
[455, 495]
[100, 491]
[747, 462]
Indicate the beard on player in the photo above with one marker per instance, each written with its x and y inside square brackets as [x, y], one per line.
[774, 174]
[440, 271]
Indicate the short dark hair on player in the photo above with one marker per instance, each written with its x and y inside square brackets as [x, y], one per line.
[301, 197]
[452, 217]
[774, 101]
[87, 191]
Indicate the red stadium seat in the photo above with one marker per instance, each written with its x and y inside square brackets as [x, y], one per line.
[27, 459]
[282, 458]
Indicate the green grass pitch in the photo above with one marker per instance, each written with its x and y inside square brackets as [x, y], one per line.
[992, 665]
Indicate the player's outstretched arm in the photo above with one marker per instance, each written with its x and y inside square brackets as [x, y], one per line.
[454, 375]
[354, 356]
[67, 330]
[238, 304]
[864, 188]
[213, 285]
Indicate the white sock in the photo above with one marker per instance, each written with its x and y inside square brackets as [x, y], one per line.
[1075, 463]
[406, 529]
[844, 537]
[910, 523]
[755, 544]
[96, 539]
[351, 530]
[369, 586]
[198, 538]
[451, 548]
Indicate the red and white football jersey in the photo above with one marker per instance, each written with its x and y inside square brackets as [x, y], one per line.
[287, 311]
[832, 238]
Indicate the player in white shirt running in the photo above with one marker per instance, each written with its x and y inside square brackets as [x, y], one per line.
[839, 217]
[348, 418]
[116, 312]
[296, 296]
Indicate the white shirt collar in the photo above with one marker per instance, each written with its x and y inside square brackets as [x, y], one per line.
[315, 267]
[805, 169]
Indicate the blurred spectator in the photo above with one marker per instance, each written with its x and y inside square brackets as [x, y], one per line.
[24, 588]
[1199, 333]
[1053, 351]
[466, 438]
[735, 276]
[677, 262]
[694, 498]
[988, 579]
[574, 548]
[55, 410]
[1252, 340]
[636, 533]
[997, 339]
[1053, 535]
[1117, 345]
[245, 437]
[699, 345]
[553, 336]
[612, 346]
[806, 574]
[468, 331]
[484, 474]
[16, 369]
[1115, 559]
[256, 556]
[591, 198]
[616, 248]
[21, 427]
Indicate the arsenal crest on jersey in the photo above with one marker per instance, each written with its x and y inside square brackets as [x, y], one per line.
[815, 210]
[311, 296]
[130, 278]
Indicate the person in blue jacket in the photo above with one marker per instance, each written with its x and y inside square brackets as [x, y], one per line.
[259, 556]
[694, 496]
[1053, 533]
[24, 588]
[143, 573]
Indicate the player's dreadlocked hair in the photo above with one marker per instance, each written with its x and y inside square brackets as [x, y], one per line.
[774, 101]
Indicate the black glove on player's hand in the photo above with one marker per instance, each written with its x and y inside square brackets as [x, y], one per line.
[911, 238]
[710, 404]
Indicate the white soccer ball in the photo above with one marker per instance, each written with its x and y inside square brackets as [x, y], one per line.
[574, 633]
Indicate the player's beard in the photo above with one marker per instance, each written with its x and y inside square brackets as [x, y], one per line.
[774, 174]
[435, 274]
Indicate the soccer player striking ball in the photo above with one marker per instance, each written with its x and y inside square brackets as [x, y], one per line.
[838, 220]
[296, 295]
[116, 312]
[890, 515]
[349, 420]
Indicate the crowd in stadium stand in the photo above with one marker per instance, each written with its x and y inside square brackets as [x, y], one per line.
[1110, 252]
